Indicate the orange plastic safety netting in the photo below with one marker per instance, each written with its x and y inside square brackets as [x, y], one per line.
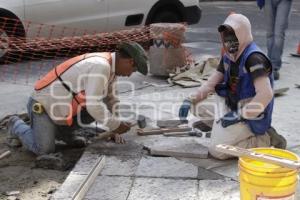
[28, 50]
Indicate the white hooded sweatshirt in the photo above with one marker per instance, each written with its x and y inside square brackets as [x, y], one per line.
[264, 93]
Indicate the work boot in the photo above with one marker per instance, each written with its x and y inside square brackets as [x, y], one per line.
[276, 75]
[76, 141]
[277, 141]
[12, 140]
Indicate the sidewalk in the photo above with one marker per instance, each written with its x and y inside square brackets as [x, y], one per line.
[130, 173]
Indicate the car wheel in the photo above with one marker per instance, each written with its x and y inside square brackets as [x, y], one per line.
[7, 35]
[167, 16]
[4, 43]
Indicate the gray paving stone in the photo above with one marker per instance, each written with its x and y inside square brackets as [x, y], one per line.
[219, 189]
[120, 166]
[109, 188]
[166, 167]
[131, 148]
[208, 163]
[180, 148]
[230, 171]
[86, 163]
[114, 165]
[204, 174]
[166, 189]
[69, 187]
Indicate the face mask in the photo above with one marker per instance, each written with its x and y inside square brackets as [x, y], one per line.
[231, 43]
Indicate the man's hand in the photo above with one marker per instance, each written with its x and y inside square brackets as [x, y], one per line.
[230, 119]
[118, 139]
[184, 109]
[123, 128]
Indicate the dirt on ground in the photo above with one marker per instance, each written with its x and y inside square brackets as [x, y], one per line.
[18, 172]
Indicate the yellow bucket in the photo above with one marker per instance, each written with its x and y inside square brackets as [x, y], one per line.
[264, 181]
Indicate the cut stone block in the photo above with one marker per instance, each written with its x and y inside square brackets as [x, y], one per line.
[204, 174]
[208, 163]
[120, 166]
[114, 165]
[69, 187]
[130, 148]
[230, 171]
[166, 167]
[219, 189]
[180, 148]
[109, 188]
[85, 163]
[166, 189]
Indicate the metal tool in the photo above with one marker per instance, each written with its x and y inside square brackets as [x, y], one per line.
[159, 131]
[141, 121]
[172, 123]
[192, 133]
[239, 152]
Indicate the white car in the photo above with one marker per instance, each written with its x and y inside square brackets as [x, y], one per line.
[100, 15]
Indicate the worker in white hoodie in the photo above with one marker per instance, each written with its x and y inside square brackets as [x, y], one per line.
[243, 82]
[75, 93]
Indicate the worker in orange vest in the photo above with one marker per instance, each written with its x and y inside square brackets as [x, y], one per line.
[78, 91]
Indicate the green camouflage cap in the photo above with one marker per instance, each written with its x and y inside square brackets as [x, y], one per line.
[138, 54]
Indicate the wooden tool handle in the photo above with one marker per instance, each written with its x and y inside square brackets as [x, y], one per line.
[239, 152]
[176, 134]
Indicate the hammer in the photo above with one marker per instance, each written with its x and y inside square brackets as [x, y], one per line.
[141, 121]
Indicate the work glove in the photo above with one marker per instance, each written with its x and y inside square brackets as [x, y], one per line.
[184, 109]
[230, 118]
[260, 3]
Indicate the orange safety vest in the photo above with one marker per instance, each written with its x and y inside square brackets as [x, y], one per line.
[78, 100]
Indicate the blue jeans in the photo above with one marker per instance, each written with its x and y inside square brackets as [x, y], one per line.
[39, 137]
[277, 15]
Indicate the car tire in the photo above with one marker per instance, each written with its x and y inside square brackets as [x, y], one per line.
[7, 35]
[166, 17]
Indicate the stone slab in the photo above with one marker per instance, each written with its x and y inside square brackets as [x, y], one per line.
[85, 163]
[179, 148]
[230, 171]
[166, 167]
[208, 163]
[120, 166]
[114, 165]
[219, 189]
[166, 189]
[204, 174]
[109, 188]
[130, 148]
[69, 187]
